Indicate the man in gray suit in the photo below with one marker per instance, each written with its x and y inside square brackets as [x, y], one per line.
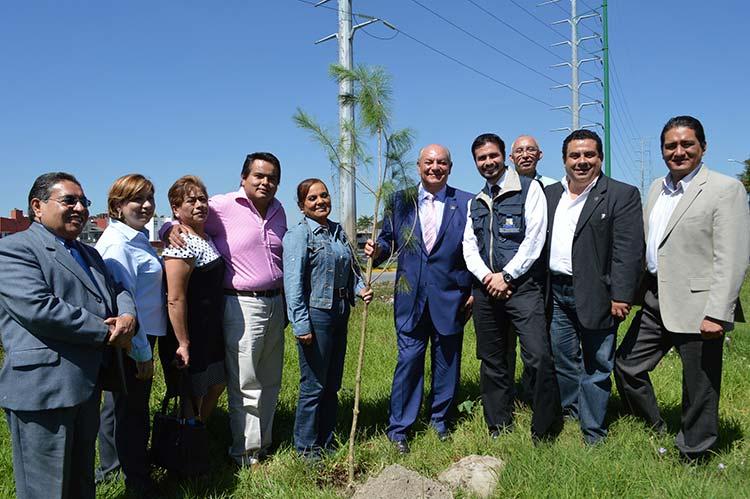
[58, 313]
[697, 249]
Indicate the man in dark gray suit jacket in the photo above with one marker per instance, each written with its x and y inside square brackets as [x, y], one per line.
[595, 253]
[58, 313]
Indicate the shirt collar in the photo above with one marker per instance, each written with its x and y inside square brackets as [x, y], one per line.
[127, 231]
[500, 181]
[682, 185]
[315, 226]
[439, 195]
[588, 188]
[241, 195]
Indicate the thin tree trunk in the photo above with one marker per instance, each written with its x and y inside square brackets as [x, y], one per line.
[363, 328]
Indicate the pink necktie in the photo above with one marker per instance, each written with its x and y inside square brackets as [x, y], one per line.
[429, 234]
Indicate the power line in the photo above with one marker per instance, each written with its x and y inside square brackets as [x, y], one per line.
[473, 69]
[468, 33]
[510, 26]
[541, 21]
[620, 90]
[450, 57]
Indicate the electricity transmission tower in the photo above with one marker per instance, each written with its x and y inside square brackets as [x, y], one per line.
[575, 63]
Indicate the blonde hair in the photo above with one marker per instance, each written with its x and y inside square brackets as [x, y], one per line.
[126, 188]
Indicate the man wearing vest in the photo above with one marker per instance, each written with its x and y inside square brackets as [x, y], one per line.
[503, 238]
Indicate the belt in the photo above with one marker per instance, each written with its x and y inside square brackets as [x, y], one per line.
[268, 293]
[561, 278]
[341, 292]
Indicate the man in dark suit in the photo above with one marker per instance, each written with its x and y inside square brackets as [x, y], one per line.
[58, 312]
[424, 226]
[595, 256]
[503, 239]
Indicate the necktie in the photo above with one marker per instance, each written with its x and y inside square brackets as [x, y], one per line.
[72, 246]
[494, 190]
[429, 232]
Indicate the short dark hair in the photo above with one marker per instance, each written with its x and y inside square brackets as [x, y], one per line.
[488, 138]
[689, 122]
[42, 187]
[262, 156]
[583, 134]
[304, 187]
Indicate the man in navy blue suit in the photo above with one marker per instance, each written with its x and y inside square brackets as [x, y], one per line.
[432, 299]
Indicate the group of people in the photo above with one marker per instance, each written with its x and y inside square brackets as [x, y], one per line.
[559, 265]
[556, 264]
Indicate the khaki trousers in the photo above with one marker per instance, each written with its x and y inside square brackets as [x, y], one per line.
[254, 340]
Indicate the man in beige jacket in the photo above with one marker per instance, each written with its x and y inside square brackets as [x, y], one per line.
[697, 228]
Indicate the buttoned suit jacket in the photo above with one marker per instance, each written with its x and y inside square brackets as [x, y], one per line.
[440, 276]
[608, 249]
[52, 321]
[704, 252]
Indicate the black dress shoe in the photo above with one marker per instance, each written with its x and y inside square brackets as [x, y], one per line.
[402, 446]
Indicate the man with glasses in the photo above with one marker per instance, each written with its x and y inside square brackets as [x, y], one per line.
[59, 308]
[526, 154]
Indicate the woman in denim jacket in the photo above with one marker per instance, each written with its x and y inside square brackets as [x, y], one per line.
[320, 283]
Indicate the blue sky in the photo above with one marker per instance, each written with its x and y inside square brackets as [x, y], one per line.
[103, 88]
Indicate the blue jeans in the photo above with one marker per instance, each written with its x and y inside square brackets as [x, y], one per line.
[584, 359]
[321, 366]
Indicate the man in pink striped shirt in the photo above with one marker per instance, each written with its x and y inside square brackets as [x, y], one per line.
[247, 227]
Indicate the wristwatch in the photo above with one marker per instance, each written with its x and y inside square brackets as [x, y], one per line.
[507, 277]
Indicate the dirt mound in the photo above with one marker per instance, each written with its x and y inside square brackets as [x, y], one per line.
[397, 481]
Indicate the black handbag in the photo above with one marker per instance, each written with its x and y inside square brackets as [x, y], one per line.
[178, 444]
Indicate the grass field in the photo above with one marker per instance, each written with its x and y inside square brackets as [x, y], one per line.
[628, 464]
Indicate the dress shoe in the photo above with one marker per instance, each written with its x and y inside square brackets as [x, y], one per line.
[402, 446]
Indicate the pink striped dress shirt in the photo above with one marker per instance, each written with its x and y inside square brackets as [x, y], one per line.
[250, 244]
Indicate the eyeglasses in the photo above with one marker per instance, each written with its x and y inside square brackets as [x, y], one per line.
[530, 150]
[71, 201]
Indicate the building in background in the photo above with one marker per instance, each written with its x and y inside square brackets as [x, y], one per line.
[17, 222]
[98, 223]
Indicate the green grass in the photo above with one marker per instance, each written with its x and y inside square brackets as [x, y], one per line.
[628, 464]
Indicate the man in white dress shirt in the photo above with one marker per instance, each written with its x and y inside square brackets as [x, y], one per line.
[526, 154]
[595, 247]
[503, 238]
[697, 250]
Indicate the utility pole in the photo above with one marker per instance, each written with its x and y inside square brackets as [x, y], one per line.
[605, 62]
[574, 65]
[347, 167]
[645, 172]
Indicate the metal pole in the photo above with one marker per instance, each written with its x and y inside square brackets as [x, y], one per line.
[574, 87]
[347, 186]
[643, 168]
[605, 61]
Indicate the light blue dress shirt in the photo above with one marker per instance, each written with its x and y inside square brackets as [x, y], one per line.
[136, 266]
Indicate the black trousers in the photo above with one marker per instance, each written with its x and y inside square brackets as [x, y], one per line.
[644, 345]
[492, 321]
[125, 427]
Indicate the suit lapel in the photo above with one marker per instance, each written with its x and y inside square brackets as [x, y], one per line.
[695, 188]
[653, 195]
[449, 209]
[595, 197]
[65, 259]
[552, 203]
